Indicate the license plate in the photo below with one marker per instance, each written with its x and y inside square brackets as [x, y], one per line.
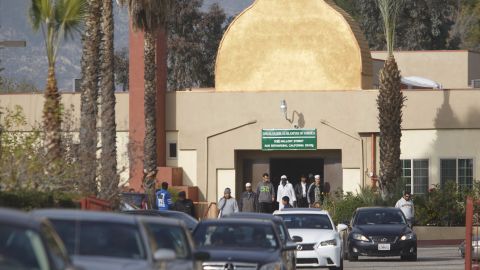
[383, 246]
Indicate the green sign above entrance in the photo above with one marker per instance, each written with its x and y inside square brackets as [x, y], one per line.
[289, 139]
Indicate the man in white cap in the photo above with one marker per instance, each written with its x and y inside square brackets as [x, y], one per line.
[248, 200]
[315, 192]
[285, 189]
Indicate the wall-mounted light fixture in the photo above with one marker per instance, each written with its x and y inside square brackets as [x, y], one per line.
[284, 110]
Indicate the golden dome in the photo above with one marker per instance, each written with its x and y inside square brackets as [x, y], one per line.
[293, 45]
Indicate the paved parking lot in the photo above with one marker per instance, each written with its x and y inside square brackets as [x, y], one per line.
[428, 258]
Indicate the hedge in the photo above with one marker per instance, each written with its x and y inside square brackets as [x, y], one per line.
[30, 199]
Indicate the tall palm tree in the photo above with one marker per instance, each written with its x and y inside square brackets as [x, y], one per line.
[390, 103]
[149, 16]
[89, 99]
[57, 20]
[108, 167]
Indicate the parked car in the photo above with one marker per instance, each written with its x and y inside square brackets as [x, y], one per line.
[475, 248]
[246, 244]
[380, 232]
[187, 219]
[27, 242]
[101, 240]
[322, 245]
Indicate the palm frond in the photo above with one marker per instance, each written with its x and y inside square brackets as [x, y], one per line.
[147, 15]
[40, 12]
[69, 15]
[390, 10]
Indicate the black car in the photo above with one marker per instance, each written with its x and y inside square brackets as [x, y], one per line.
[27, 242]
[380, 232]
[187, 219]
[243, 244]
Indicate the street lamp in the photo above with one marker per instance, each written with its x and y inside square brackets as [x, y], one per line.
[12, 43]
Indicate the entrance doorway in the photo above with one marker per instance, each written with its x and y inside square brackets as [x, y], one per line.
[294, 168]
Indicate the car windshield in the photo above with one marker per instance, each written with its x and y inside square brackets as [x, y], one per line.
[21, 249]
[96, 238]
[307, 221]
[372, 217]
[237, 236]
[168, 237]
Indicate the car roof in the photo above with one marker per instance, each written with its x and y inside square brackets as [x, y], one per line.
[67, 214]
[252, 215]
[235, 221]
[376, 208]
[289, 211]
[19, 218]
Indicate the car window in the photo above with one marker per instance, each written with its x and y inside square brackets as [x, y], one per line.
[56, 247]
[307, 221]
[96, 238]
[189, 221]
[21, 249]
[372, 217]
[168, 237]
[241, 236]
[282, 233]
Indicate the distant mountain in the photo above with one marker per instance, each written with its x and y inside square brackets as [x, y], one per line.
[30, 64]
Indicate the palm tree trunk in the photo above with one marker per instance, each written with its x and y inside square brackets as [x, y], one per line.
[52, 120]
[390, 103]
[108, 160]
[89, 96]
[150, 143]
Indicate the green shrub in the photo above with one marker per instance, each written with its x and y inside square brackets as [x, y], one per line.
[31, 199]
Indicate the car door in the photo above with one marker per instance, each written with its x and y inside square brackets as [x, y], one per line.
[57, 251]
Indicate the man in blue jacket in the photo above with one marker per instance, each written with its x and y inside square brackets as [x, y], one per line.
[164, 199]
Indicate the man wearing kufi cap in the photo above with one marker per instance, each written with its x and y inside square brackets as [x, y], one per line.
[248, 200]
[285, 189]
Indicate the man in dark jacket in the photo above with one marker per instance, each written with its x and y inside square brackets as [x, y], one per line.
[184, 205]
[248, 200]
[301, 190]
[315, 192]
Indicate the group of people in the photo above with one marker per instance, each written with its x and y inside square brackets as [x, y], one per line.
[263, 199]
[182, 204]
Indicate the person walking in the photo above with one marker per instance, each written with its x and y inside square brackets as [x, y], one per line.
[184, 205]
[315, 196]
[406, 205]
[248, 200]
[301, 192]
[227, 204]
[285, 189]
[266, 195]
[164, 198]
[286, 203]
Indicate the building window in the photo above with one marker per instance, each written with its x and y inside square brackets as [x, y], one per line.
[415, 175]
[172, 150]
[459, 171]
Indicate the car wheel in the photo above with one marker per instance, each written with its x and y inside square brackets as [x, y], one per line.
[412, 257]
[352, 258]
[403, 258]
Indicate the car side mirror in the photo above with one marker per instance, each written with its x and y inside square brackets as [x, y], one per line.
[289, 247]
[201, 256]
[164, 255]
[297, 239]
[341, 227]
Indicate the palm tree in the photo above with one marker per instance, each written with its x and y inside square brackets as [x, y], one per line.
[390, 102]
[57, 20]
[89, 97]
[149, 16]
[108, 167]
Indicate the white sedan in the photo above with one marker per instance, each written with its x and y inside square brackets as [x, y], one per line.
[322, 245]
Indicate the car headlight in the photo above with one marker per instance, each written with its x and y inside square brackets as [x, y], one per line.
[360, 237]
[272, 266]
[407, 236]
[332, 242]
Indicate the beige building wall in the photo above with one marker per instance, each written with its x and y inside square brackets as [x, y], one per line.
[32, 106]
[452, 69]
[227, 122]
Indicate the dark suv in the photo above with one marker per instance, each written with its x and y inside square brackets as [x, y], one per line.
[243, 244]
